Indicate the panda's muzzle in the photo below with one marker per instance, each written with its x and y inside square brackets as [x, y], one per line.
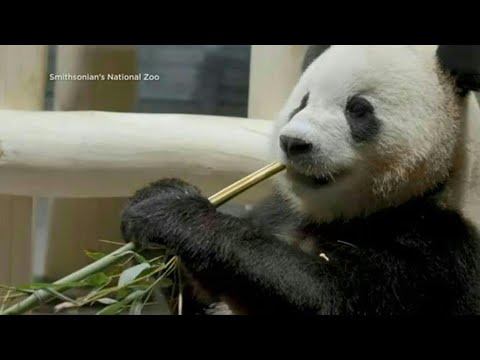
[294, 147]
[299, 153]
[311, 181]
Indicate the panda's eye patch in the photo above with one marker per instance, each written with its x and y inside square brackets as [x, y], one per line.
[359, 107]
[362, 120]
[302, 106]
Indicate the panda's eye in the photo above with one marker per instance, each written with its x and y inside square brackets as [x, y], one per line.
[359, 107]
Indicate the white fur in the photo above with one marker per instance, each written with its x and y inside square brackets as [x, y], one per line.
[418, 143]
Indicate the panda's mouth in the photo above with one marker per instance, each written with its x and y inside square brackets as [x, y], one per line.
[313, 181]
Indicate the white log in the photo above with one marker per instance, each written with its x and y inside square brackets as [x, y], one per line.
[102, 154]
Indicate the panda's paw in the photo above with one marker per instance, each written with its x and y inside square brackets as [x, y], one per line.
[175, 187]
[219, 308]
[159, 212]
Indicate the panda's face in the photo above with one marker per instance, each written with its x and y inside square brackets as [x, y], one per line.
[365, 127]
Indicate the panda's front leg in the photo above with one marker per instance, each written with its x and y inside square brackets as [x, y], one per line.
[229, 257]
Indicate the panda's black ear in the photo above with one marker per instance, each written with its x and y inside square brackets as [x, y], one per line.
[313, 52]
[463, 62]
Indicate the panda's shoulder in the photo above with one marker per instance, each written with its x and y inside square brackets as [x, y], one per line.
[456, 231]
[440, 227]
[446, 222]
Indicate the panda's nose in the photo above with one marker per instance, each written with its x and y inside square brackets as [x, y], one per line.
[294, 146]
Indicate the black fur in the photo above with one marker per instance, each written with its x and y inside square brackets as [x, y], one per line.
[364, 125]
[411, 260]
[313, 52]
[463, 62]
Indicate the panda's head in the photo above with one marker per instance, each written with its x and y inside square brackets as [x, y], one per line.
[371, 126]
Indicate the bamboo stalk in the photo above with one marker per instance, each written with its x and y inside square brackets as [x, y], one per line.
[247, 182]
[41, 296]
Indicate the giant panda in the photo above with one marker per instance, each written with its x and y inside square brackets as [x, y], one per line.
[366, 218]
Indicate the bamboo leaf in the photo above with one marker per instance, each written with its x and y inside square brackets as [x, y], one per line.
[95, 255]
[123, 293]
[64, 305]
[137, 307]
[132, 273]
[119, 306]
[140, 258]
[136, 295]
[34, 286]
[112, 309]
[107, 301]
[97, 280]
[138, 302]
